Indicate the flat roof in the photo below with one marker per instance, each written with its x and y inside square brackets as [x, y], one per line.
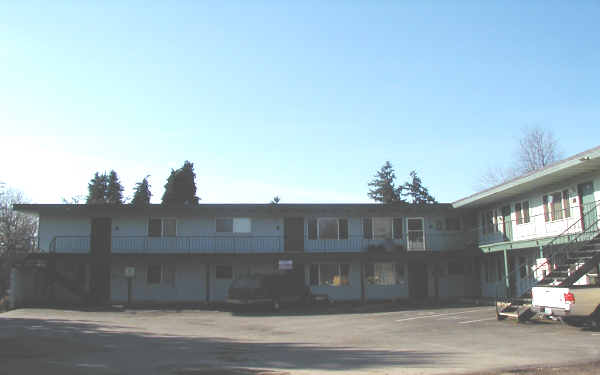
[576, 165]
[282, 209]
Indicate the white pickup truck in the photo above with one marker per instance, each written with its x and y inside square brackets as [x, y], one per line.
[572, 302]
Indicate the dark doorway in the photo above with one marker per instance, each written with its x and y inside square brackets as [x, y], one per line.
[293, 233]
[418, 280]
[100, 265]
[512, 278]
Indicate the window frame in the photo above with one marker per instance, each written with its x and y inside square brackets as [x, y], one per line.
[549, 206]
[338, 274]
[395, 236]
[232, 218]
[164, 269]
[162, 226]
[397, 268]
[317, 233]
[522, 212]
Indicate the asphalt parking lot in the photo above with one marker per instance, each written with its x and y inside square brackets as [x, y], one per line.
[465, 339]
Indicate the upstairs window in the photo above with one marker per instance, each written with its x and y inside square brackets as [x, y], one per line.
[162, 227]
[382, 228]
[328, 228]
[556, 206]
[522, 212]
[234, 225]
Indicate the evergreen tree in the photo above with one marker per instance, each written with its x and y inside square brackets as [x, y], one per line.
[105, 189]
[142, 194]
[416, 192]
[276, 200]
[97, 189]
[180, 188]
[114, 189]
[383, 187]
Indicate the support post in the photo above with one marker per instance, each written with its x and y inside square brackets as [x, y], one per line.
[506, 277]
[208, 283]
[541, 252]
[362, 282]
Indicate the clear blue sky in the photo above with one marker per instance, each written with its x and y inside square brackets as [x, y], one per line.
[303, 100]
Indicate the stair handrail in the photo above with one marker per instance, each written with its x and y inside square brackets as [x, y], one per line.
[555, 251]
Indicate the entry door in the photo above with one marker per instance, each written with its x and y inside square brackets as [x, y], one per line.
[416, 233]
[418, 280]
[100, 267]
[507, 223]
[587, 206]
[293, 233]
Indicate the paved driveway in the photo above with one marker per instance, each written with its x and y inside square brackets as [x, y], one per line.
[194, 342]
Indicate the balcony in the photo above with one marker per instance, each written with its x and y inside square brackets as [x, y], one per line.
[245, 244]
[173, 245]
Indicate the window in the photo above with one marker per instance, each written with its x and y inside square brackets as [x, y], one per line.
[452, 223]
[522, 212]
[384, 273]
[223, 272]
[382, 228]
[439, 225]
[328, 228]
[162, 227]
[234, 225]
[160, 274]
[556, 206]
[456, 268]
[490, 222]
[331, 274]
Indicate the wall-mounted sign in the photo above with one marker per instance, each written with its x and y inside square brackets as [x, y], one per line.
[130, 272]
[286, 265]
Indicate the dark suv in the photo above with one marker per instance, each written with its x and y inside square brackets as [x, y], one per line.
[269, 290]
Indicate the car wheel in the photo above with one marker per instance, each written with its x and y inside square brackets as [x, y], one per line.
[276, 304]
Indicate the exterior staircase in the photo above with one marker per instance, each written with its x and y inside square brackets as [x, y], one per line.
[568, 262]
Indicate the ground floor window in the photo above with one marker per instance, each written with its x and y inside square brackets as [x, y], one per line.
[224, 272]
[332, 274]
[161, 274]
[384, 273]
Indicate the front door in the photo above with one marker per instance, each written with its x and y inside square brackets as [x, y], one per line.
[507, 223]
[418, 280]
[293, 233]
[100, 255]
[587, 204]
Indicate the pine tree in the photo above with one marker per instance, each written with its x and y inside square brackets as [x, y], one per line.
[142, 194]
[97, 189]
[383, 186]
[415, 190]
[105, 189]
[114, 189]
[180, 188]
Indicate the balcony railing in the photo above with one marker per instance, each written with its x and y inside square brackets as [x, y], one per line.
[531, 227]
[441, 241]
[197, 244]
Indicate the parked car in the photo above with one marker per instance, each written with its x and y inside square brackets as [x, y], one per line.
[269, 290]
[573, 302]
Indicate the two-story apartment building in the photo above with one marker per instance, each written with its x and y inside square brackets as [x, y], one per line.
[520, 222]
[191, 254]
[488, 244]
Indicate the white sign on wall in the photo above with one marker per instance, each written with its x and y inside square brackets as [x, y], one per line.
[286, 265]
[130, 272]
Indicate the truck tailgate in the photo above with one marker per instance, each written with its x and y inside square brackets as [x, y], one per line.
[550, 297]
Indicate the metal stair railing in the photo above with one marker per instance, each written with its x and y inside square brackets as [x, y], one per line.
[575, 242]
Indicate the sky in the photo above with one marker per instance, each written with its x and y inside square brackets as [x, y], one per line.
[305, 100]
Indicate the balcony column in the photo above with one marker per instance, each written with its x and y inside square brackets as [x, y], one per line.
[506, 277]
